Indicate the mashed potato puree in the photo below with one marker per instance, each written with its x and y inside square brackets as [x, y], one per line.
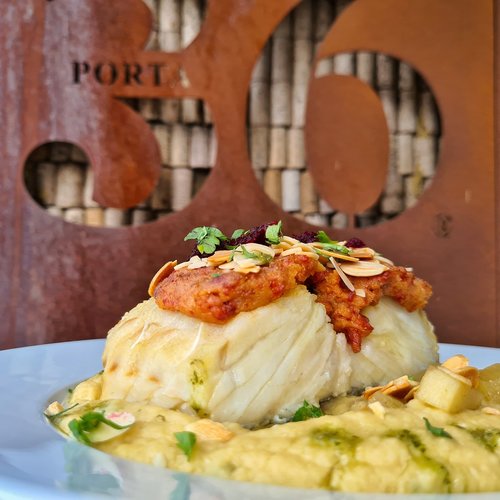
[359, 450]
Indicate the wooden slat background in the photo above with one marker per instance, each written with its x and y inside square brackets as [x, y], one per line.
[59, 177]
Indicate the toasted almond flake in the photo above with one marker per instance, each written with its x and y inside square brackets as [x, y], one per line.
[283, 245]
[309, 254]
[219, 257]
[338, 255]
[456, 362]
[364, 268]
[362, 253]
[490, 411]
[370, 391]
[291, 251]
[377, 408]
[182, 265]
[247, 270]
[289, 239]
[161, 274]
[360, 292]
[384, 260]
[197, 263]
[257, 247]
[409, 269]
[343, 277]
[469, 372]
[229, 265]
[410, 394]
[208, 430]
[246, 263]
[54, 408]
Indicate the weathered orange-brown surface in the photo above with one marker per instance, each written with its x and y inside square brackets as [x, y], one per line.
[60, 281]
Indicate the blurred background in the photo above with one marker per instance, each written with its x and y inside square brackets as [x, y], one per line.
[60, 180]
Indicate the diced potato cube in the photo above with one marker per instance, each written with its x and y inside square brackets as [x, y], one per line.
[446, 390]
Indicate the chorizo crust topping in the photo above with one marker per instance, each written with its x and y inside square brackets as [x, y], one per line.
[346, 277]
[216, 297]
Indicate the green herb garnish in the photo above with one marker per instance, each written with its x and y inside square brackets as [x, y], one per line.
[216, 275]
[186, 441]
[329, 244]
[207, 238]
[62, 412]
[307, 411]
[81, 427]
[273, 233]
[237, 233]
[262, 257]
[437, 431]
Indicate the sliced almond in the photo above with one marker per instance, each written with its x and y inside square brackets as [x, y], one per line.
[182, 265]
[343, 277]
[360, 292]
[246, 263]
[228, 265]
[312, 255]
[283, 245]
[162, 273]
[490, 411]
[208, 430]
[410, 394]
[338, 255]
[364, 269]
[456, 362]
[362, 253]
[197, 263]
[469, 372]
[370, 391]
[219, 257]
[383, 260]
[290, 240]
[257, 247]
[291, 251]
[247, 270]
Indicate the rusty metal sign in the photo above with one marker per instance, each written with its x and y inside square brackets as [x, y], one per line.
[63, 64]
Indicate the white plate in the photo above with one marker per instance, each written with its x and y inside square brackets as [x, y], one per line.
[36, 463]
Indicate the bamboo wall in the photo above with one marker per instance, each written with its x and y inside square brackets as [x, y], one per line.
[58, 176]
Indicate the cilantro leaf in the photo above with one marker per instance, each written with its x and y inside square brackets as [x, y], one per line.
[207, 238]
[273, 233]
[307, 411]
[437, 431]
[237, 233]
[186, 441]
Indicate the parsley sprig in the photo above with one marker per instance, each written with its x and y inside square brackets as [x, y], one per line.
[207, 238]
[186, 441]
[307, 411]
[261, 257]
[329, 244]
[273, 233]
[81, 427]
[436, 431]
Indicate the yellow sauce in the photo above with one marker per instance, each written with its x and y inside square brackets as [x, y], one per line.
[357, 450]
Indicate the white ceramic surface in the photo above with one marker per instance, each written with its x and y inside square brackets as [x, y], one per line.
[36, 463]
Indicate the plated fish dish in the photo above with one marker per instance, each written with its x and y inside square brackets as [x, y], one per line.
[294, 360]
